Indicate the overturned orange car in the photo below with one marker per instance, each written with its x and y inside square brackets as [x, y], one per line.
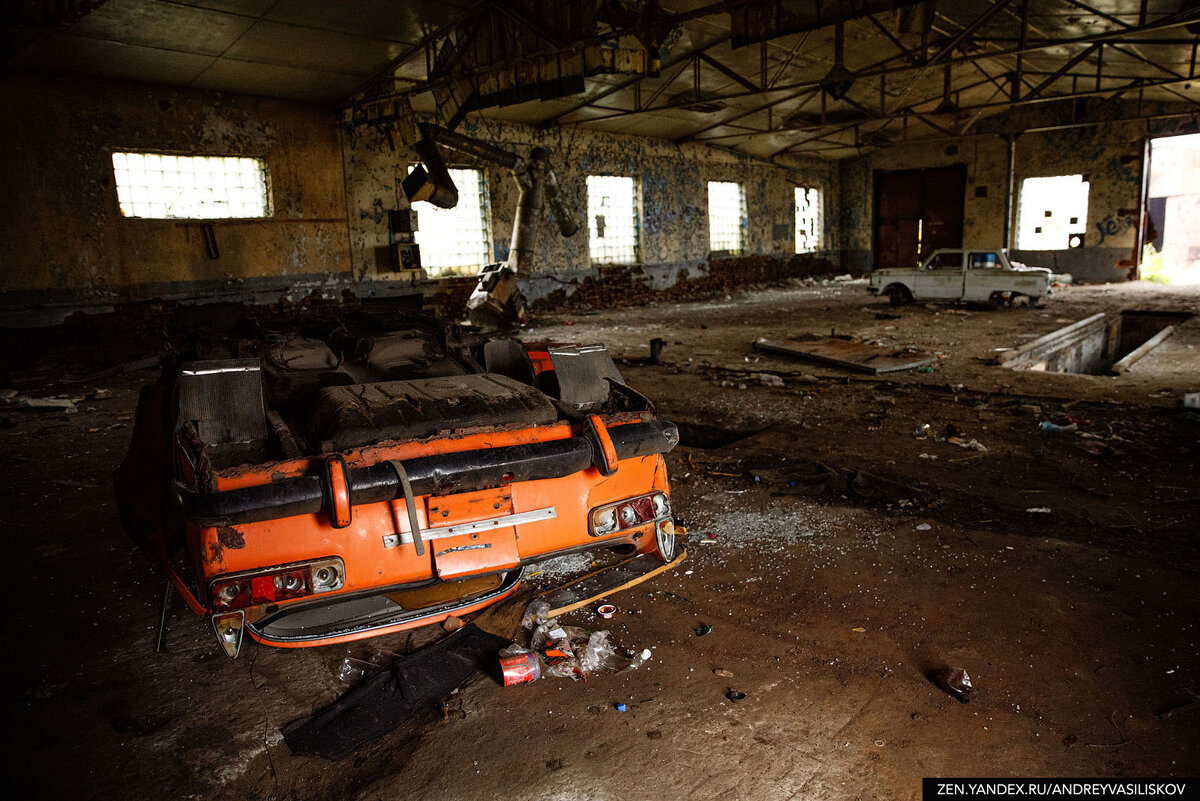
[315, 489]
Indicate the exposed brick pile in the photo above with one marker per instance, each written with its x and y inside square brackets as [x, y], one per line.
[447, 299]
[620, 285]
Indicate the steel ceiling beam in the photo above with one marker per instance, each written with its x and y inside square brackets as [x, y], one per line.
[693, 137]
[800, 42]
[911, 111]
[969, 31]
[1091, 10]
[1144, 60]
[1061, 71]
[730, 74]
[910, 55]
[885, 67]
[686, 57]
[388, 71]
[1036, 129]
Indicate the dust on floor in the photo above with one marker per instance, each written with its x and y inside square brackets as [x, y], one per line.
[1076, 632]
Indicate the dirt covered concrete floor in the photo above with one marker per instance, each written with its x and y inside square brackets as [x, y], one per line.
[837, 561]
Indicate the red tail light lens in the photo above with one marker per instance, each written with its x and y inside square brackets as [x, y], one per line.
[627, 514]
[277, 584]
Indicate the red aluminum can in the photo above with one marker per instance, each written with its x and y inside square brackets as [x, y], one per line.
[520, 668]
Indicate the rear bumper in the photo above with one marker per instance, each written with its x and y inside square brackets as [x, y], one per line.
[462, 471]
[347, 619]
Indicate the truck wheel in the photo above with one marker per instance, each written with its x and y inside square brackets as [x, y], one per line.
[898, 294]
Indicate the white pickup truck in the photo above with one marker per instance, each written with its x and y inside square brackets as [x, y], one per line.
[967, 274]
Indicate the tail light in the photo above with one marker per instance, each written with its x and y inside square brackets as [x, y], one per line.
[628, 513]
[273, 584]
[229, 628]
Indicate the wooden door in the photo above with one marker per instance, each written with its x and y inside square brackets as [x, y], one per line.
[917, 212]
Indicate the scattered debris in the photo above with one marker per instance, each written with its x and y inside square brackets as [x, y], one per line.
[562, 651]
[1191, 400]
[725, 674]
[735, 695]
[849, 354]
[1112, 718]
[703, 629]
[656, 348]
[606, 611]
[73, 482]
[620, 706]
[1048, 427]
[956, 682]
[1038, 510]
[452, 623]
[924, 527]
[1186, 706]
[607, 581]
[770, 380]
[518, 665]
[353, 671]
[65, 405]
[969, 444]
[922, 431]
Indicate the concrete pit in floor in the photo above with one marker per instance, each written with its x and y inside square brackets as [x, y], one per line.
[1102, 344]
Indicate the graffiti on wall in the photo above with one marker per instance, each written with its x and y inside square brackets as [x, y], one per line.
[1115, 225]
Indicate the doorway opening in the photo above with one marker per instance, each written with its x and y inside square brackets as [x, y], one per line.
[917, 212]
[1171, 249]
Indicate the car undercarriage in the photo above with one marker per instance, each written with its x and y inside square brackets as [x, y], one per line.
[326, 483]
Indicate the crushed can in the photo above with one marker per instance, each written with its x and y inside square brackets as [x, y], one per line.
[520, 668]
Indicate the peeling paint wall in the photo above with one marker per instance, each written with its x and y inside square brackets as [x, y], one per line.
[1110, 159]
[64, 243]
[1110, 156]
[62, 233]
[674, 196]
[985, 158]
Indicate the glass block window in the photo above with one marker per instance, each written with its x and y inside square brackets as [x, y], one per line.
[456, 241]
[810, 223]
[612, 219]
[190, 187]
[1052, 214]
[726, 217]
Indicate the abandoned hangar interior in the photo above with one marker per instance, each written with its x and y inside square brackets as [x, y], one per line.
[388, 322]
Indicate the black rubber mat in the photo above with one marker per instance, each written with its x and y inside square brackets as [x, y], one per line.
[420, 681]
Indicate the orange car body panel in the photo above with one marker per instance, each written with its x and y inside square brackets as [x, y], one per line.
[372, 564]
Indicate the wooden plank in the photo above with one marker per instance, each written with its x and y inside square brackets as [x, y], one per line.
[605, 582]
[1147, 346]
[850, 354]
